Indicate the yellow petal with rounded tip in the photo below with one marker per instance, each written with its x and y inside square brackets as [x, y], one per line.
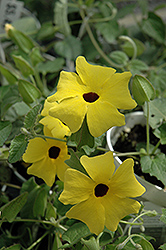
[116, 91]
[117, 208]
[100, 168]
[77, 187]
[124, 182]
[44, 169]
[36, 150]
[47, 106]
[101, 116]
[70, 111]
[71, 83]
[57, 128]
[91, 75]
[91, 212]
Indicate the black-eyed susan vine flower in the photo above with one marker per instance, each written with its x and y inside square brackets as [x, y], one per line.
[94, 92]
[103, 198]
[47, 155]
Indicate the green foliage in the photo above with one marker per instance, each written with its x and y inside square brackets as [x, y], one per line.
[155, 165]
[11, 209]
[28, 91]
[5, 130]
[142, 90]
[75, 233]
[32, 55]
[17, 148]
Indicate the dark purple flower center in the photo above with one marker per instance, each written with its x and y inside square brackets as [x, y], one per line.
[101, 190]
[54, 152]
[90, 97]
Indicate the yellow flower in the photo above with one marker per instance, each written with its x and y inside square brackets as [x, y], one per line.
[95, 92]
[47, 157]
[57, 128]
[103, 198]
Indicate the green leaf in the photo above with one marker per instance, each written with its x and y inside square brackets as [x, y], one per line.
[146, 245]
[74, 161]
[21, 40]
[28, 91]
[83, 136]
[36, 56]
[129, 50]
[11, 209]
[163, 216]
[109, 30]
[136, 66]
[57, 242]
[10, 77]
[5, 130]
[50, 211]
[119, 57]
[157, 110]
[69, 48]
[91, 243]
[26, 24]
[14, 247]
[23, 66]
[154, 27]
[29, 185]
[10, 96]
[51, 66]
[75, 233]
[40, 203]
[60, 17]
[17, 148]
[155, 166]
[30, 118]
[142, 90]
[47, 31]
[163, 247]
[162, 133]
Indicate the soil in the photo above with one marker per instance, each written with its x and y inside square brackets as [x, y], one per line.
[128, 141]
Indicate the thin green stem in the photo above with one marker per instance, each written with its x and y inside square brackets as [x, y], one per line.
[94, 42]
[37, 241]
[156, 147]
[131, 223]
[49, 137]
[117, 153]
[10, 185]
[147, 130]
[126, 38]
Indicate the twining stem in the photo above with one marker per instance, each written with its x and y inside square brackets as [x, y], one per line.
[93, 40]
[147, 130]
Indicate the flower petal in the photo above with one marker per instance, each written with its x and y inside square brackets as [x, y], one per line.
[91, 212]
[57, 128]
[36, 150]
[70, 111]
[61, 169]
[101, 116]
[100, 168]
[44, 169]
[117, 208]
[69, 85]
[116, 91]
[47, 106]
[77, 187]
[124, 183]
[93, 76]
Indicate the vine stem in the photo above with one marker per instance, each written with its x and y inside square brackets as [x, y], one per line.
[147, 130]
[93, 40]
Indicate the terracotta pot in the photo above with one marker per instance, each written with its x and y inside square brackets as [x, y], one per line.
[153, 193]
